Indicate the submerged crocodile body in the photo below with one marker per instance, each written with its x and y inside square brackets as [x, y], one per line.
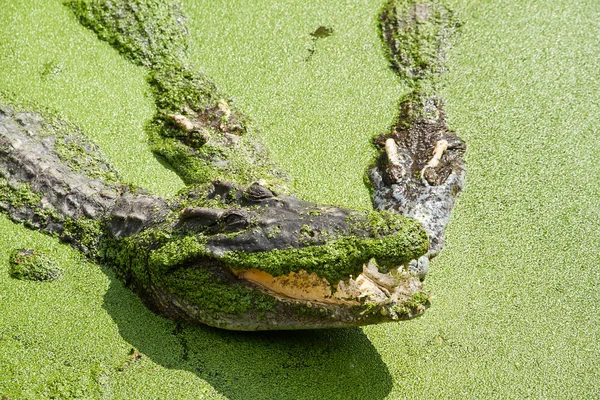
[235, 250]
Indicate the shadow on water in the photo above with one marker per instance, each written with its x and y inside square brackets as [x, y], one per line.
[325, 364]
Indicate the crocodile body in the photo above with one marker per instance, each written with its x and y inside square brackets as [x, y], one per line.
[234, 250]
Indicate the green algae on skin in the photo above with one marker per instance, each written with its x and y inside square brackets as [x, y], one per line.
[33, 265]
[168, 266]
[137, 21]
[338, 259]
[417, 36]
[82, 155]
[83, 232]
[153, 34]
[18, 194]
[335, 261]
[218, 296]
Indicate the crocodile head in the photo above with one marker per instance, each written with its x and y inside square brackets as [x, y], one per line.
[246, 258]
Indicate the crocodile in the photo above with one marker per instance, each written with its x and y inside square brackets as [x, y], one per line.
[236, 249]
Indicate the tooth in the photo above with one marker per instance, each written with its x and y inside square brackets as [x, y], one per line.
[370, 290]
[387, 281]
[440, 147]
[348, 290]
[391, 149]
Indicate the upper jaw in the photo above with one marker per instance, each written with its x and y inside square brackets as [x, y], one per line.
[309, 241]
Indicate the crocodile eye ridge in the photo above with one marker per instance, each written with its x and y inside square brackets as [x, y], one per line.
[257, 192]
[235, 220]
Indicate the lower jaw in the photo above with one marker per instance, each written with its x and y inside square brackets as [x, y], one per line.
[371, 297]
[364, 300]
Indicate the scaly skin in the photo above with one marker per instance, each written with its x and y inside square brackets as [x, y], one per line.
[196, 257]
[234, 250]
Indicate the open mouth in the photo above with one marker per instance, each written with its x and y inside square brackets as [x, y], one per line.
[394, 295]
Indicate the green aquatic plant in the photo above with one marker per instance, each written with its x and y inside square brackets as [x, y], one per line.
[32, 265]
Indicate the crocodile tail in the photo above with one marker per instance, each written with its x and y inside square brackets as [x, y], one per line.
[53, 179]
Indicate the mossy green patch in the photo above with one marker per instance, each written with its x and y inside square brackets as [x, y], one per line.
[28, 264]
[406, 308]
[213, 294]
[126, 259]
[147, 32]
[80, 155]
[179, 85]
[381, 223]
[337, 259]
[417, 35]
[181, 266]
[176, 253]
[197, 196]
[84, 232]
[18, 194]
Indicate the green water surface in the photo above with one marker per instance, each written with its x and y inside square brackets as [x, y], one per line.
[516, 291]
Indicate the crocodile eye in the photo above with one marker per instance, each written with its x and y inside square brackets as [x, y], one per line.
[258, 192]
[235, 220]
[205, 216]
